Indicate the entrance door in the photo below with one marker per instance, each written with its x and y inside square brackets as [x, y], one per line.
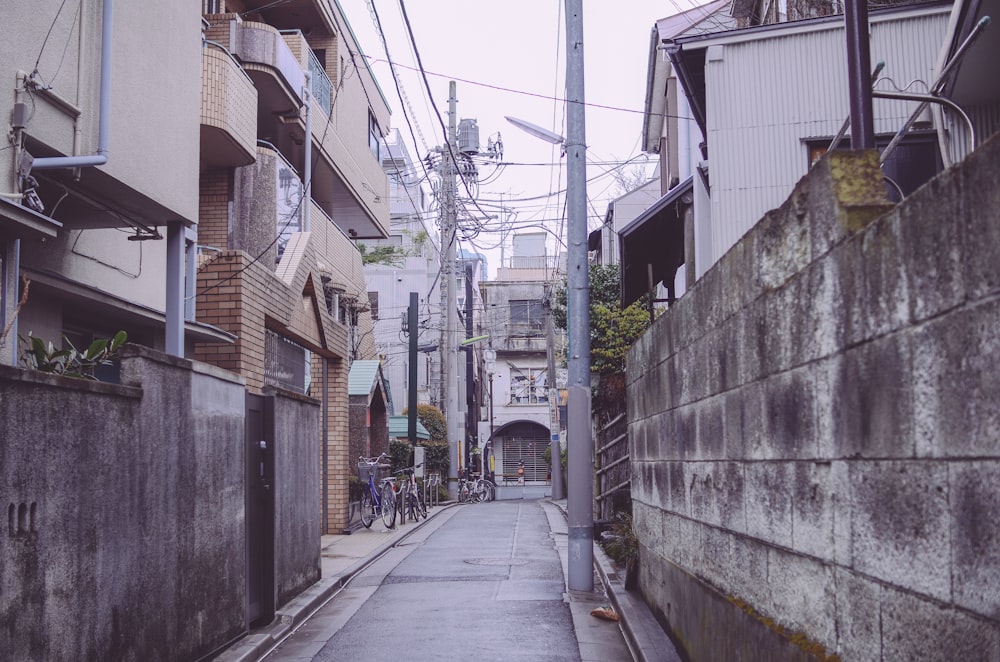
[259, 509]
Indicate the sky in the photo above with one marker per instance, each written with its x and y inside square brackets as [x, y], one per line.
[508, 58]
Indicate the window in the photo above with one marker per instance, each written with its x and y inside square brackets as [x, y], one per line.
[529, 386]
[527, 312]
[374, 135]
[373, 302]
[914, 161]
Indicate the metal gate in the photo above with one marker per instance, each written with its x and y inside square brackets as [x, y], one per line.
[259, 497]
[528, 450]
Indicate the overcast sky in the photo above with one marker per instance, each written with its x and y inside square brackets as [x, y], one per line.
[508, 58]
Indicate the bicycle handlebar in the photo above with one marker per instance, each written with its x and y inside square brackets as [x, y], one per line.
[408, 469]
[373, 460]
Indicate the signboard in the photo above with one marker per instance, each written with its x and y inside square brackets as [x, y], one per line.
[554, 413]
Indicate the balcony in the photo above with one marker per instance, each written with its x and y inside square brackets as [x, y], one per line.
[271, 207]
[272, 66]
[228, 111]
[321, 86]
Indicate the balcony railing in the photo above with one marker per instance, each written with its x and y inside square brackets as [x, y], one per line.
[322, 88]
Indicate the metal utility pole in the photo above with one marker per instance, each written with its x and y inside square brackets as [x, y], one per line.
[411, 392]
[859, 82]
[471, 415]
[579, 436]
[556, 453]
[449, 341]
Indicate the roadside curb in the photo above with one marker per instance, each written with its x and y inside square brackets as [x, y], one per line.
[645, 638]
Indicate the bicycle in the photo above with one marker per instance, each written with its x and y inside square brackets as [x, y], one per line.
[413, 505]
[486, 488]
[475, 490]
[377, 501]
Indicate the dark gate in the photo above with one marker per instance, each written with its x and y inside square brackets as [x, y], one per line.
[260, 509]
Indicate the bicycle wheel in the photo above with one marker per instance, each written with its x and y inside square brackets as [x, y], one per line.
[489, 490]
[389, 507]
[367, 508]
[421, 506]
[411, 506]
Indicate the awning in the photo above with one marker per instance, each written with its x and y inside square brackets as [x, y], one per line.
[398, 428]
[654, 240]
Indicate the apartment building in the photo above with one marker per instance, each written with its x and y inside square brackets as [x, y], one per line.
[518, 424]
[99, 175]
[290, 179]
[410, 262]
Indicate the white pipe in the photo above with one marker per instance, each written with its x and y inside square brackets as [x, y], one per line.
[47, 163]
[683, 136]
[307, 169]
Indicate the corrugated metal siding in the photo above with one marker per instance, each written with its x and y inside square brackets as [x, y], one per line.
[764, 97]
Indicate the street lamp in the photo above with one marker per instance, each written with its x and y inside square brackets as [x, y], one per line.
[578, 436]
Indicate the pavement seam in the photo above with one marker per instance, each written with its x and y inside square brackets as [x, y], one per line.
[261, 642]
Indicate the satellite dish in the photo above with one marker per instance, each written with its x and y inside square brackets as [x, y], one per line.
[537, 131]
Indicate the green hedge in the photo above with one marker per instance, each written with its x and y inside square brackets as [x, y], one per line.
[435, 456]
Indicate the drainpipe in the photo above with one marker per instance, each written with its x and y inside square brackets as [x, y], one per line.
[307, 169]
[48, 163]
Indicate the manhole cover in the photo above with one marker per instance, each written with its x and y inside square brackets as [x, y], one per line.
[497, 561]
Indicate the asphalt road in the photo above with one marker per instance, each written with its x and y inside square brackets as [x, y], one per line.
[481, 581]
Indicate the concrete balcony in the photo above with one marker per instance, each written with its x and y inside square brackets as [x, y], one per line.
[272, 66]
[348, 182]
[269, 206]
[228, 111]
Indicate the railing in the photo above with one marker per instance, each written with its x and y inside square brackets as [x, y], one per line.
[322, 88]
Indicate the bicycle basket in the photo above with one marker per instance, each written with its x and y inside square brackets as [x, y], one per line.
[365, 469]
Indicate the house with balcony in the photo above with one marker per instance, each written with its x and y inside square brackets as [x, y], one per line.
[290, 179]
[519, 423]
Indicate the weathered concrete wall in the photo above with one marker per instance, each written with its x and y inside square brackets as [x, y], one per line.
[123, 529]
[815, 428]
[297, 516]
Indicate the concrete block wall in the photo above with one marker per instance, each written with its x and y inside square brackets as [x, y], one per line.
[814, 428]
[123, 513]
[296, 506]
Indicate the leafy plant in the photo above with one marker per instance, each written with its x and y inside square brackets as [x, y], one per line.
[612, 329]
[622, 544]
[390, 256]
[37, 354]
[547, 455]
[433, 419]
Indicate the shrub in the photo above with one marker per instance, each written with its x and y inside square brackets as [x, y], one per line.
[433, 419]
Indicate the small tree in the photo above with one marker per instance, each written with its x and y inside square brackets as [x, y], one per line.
[391, 256]
[612, 330]
[433, 419]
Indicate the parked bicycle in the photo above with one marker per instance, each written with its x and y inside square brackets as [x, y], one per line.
[413, 505]
[377, 499]
[473, 489]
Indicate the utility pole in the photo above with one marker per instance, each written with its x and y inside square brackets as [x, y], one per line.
[449, 341]
[579, 437]
[412, 328]
[471, 415]
[556, 453]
